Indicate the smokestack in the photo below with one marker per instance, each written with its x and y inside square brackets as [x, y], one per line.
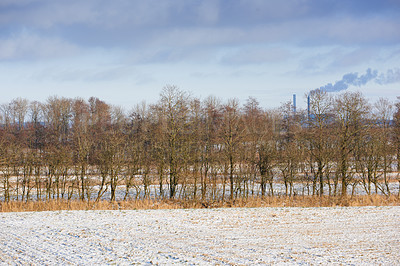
[308, 106]
[294, 103]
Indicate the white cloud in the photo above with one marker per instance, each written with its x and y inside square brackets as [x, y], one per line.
[85, 74]
[257, 55]
[27, 45]
[350, 30]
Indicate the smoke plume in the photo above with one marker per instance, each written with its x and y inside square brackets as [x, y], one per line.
[353, 79]
[391, 76]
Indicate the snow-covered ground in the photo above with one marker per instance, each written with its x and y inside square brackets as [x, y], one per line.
[243, 236]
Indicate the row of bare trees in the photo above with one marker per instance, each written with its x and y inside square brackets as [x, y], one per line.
[184, 147]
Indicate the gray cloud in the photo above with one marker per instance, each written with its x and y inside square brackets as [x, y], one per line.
[144, 27]
[327, 18]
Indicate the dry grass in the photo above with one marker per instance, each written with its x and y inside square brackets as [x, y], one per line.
[283, 201]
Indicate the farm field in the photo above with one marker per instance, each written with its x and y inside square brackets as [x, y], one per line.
[238, 236]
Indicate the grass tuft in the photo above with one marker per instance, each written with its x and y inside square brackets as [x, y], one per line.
[142, 204]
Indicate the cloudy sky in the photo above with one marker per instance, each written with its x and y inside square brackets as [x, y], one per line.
[126, 51]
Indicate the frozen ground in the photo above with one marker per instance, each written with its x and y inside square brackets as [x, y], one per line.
[355, 235]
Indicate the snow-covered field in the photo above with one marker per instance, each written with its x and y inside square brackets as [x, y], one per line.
[245, 236]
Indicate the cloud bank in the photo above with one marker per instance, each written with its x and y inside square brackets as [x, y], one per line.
[196, 25]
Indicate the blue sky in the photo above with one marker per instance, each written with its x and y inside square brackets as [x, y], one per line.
[126, 51]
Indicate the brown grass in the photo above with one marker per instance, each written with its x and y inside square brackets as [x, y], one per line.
[283, 201]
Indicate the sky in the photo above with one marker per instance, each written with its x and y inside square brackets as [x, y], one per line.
[126, 51]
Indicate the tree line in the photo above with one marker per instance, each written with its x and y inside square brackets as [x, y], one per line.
[188, 148]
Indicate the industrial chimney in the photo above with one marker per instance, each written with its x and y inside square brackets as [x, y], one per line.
[294, 103]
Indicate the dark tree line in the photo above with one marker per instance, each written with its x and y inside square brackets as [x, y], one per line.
[184, 147]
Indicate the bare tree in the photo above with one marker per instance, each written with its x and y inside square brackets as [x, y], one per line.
[19, 109]
[384, 113]
[82, 143]
[267, 151]
[212, 117]
[174, 104]
[139, 151]
[350, 110]
[317, 135]
[396, 138]
[231, 134]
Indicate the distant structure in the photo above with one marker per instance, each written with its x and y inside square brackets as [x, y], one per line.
[308, 106]
[294, 103]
